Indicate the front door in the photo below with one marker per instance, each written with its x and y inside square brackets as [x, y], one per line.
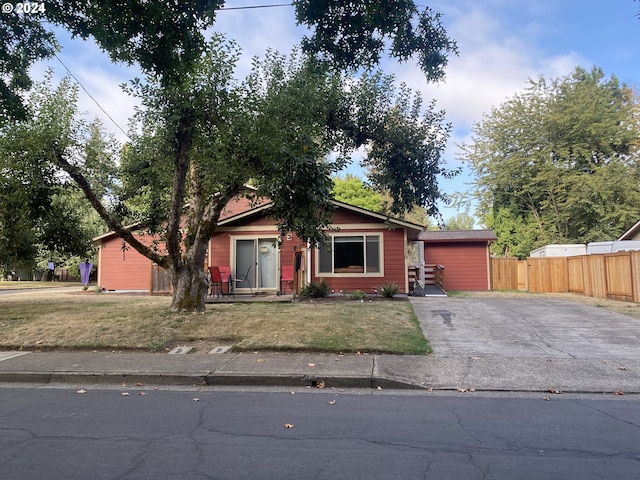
[256, 259]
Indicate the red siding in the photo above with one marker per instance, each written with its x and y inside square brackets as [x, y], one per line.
[128, 270]
[466, 265]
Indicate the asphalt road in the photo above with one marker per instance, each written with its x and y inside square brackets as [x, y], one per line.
[103, 434]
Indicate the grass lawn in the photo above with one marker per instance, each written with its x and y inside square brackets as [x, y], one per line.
[76, 320]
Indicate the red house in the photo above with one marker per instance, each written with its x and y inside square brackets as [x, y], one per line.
[366, 250]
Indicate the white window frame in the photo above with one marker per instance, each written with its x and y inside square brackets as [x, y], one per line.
[380, 273]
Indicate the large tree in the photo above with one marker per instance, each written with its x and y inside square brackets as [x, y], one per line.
[202, 134]
[558, 163]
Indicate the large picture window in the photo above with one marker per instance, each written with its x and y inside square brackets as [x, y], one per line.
[350, 254]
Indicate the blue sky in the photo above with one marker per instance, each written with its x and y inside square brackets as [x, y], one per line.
[502, 44]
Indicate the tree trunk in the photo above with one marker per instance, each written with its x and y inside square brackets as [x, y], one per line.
[189, 287]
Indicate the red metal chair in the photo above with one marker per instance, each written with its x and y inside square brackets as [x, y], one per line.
[227, 279]
[286, 277]
[215, 281]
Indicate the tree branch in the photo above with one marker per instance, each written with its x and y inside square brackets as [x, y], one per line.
[111, 221]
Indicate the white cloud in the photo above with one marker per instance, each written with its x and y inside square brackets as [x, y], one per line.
[494, 63]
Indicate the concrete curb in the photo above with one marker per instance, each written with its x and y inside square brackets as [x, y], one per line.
[433, 373]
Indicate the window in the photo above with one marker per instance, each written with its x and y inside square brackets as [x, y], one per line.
[350, 254]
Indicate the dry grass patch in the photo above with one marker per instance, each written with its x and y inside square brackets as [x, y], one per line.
[60, 320]
[6, 285]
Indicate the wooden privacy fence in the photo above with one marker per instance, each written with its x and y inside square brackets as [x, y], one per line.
[610, 275]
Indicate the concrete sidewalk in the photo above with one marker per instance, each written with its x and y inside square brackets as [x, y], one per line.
[483, 373]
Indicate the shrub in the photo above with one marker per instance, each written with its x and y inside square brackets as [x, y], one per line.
[389, 289]
[315, 289]
[358, 295]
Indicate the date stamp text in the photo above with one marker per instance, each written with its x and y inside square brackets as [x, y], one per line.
[24, 8]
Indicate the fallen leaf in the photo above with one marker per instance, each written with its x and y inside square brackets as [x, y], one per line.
[320, 385]
[292, 393]
[142, 393]
[311, 364]
[288, 425]
[138, 384]
[331, 402]
[196, 399]
[430, 389]
[260, 360]
[545, 398]
[619, 392]
[554, 391]
[622, 368]
[379, 387]
[81, 391]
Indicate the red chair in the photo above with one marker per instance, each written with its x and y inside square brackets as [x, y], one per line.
[286, 276]
[215, 281]
[227, 279]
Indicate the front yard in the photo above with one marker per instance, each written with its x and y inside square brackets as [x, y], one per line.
[85, 320]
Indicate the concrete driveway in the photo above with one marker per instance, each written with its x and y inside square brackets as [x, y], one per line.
[526, 328]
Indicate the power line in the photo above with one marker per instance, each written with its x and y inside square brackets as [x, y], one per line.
[91, 96]
[249, 7]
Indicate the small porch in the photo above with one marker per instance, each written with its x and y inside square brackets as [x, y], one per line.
[247, 298]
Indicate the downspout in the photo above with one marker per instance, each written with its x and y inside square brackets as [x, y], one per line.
[489, 266]
[308, 263]
[420, 246]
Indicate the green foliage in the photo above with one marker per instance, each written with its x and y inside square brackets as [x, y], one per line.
[315, 289]
[350, 189]
[23, 40]
[163, 37]
[406, 142]
[358, 295]
[460, 221]
[42, 215]
[389, 290]
[354, 34]
[558, 163]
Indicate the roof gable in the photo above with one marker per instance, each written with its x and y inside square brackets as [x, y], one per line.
[375, 217]
[632, 234]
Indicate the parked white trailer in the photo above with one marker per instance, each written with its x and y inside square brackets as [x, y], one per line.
[560, 250]
[612, 247]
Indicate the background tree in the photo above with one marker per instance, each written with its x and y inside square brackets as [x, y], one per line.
[558, 163]
[42, 214]
[352, 190]
[187, 88]
[460, 221]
